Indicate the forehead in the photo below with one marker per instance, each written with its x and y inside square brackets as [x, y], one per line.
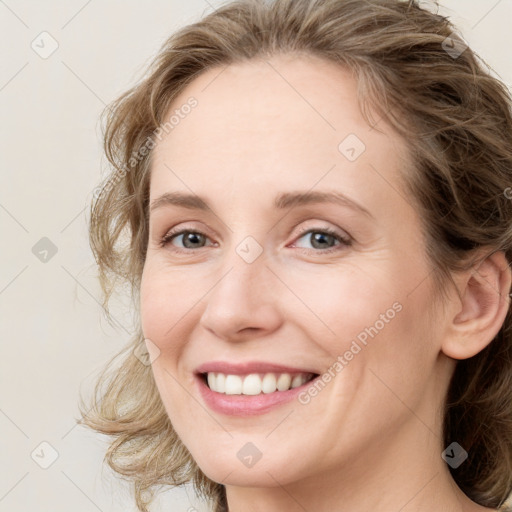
[273, 120]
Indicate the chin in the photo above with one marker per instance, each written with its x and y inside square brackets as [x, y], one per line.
[241, 462]
[230, 471]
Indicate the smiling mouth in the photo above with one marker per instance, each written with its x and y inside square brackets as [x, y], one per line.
[255, 383]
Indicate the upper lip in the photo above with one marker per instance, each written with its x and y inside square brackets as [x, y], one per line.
[248, 368]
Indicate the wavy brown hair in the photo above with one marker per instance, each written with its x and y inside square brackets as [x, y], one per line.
[456, 120]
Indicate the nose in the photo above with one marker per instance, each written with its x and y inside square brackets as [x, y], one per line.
[243, 303]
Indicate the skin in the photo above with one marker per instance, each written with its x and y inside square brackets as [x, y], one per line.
[371, 439]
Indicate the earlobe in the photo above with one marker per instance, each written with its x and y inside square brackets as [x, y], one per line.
[485, 294]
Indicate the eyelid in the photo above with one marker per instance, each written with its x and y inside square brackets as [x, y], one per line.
[175, 232]
[342, 237]
[184, 226]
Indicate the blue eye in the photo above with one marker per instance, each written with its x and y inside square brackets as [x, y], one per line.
[188, 237]
[322, 239]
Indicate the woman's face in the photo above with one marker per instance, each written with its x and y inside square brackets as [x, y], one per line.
[267, 282]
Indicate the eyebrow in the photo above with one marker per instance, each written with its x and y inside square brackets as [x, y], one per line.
[281, 202]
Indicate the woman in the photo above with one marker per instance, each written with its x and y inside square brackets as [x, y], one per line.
[319, 240]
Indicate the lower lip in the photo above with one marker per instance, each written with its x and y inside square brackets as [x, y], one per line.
[247, 405]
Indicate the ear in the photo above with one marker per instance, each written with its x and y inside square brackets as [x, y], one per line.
[479, 316]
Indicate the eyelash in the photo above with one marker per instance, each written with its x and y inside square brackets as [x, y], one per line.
[344, 241]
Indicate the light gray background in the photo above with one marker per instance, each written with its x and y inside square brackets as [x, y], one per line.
[53, 334]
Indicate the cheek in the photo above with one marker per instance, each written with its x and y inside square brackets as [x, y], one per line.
[164, 307]
[153, 305]
[343, 302]
[371, 318]
[163, 311]
[165, 295]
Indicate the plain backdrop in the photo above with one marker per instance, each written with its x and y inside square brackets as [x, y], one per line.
[54, 336]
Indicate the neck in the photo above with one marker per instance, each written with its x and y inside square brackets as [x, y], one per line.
[405, 474]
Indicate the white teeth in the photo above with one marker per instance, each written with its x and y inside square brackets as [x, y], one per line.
[220, 383]
[233, 385]
[254, 383]
[297, 381]
[284, 381]
[211, 380]
[268, 384]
